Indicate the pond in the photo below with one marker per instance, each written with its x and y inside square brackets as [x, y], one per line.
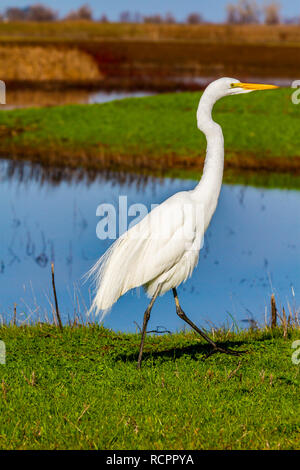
[251, 249]
[32, 97]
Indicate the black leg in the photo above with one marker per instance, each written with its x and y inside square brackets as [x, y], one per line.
[216, 348]
[146, 319]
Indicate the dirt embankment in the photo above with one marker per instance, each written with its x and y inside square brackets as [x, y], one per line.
[99, 158]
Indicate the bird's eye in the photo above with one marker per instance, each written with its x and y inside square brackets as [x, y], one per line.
[232, 85]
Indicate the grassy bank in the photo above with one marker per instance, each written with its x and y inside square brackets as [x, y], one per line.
[80, 389]
[157, 134]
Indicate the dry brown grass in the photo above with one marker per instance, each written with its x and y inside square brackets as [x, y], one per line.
[37, 63]
[85, 30]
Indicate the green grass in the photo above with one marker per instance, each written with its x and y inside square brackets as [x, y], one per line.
[159, 133]
[263, 122]
[80, 389]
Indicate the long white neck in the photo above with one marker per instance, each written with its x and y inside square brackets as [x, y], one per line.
[211, 181]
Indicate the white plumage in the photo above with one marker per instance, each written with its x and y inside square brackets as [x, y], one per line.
[160, 249]
[163, 249]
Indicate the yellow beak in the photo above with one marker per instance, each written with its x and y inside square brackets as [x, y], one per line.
[253, 86]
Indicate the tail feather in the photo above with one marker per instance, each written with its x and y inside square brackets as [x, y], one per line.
[106, 290]
[113, 274]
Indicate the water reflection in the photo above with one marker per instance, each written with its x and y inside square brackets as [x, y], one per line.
[36, 97]
[27, 173]
[24, 98]
[251, 248]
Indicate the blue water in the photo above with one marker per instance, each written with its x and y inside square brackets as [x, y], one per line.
[251, 249]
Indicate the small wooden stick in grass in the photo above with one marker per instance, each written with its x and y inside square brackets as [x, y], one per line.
[55, 298]
[285, 323]
[232, 373]
[274, 312]
[15, 314]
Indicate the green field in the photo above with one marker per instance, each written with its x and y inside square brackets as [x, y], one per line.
[157, 134]
[80, 389]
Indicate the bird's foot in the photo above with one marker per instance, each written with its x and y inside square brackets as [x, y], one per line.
[231, 352]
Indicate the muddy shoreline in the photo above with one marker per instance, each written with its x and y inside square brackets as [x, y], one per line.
[96, 161]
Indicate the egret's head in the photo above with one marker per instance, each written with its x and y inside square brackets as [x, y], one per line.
[230, 86]
[218, 89]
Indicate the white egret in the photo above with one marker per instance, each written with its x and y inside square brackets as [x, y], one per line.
[162, 250]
